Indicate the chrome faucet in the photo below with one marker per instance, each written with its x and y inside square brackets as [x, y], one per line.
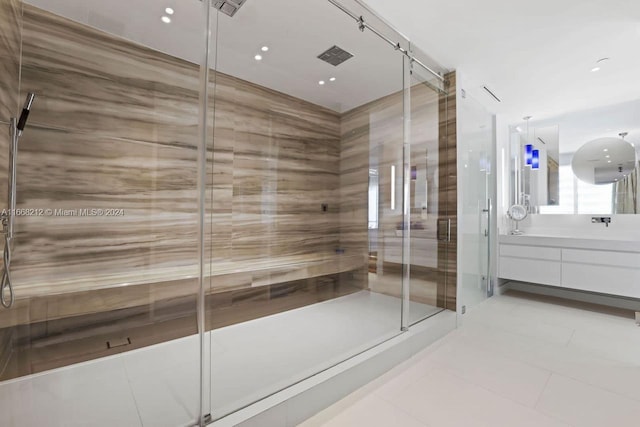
[606, 220]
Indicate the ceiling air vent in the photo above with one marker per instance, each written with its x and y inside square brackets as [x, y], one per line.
[335, 56]
[228, 7]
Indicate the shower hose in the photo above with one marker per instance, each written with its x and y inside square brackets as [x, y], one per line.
[5, 282]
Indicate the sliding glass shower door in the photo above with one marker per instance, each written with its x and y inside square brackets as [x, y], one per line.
[432, 198]
[306, 178]
[103, 330]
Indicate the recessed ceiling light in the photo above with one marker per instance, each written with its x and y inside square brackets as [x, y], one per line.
[606, 149]
[608, 161]
[594, 69]
[258, 57]
[321, 82]
[332, 79]
[169, 11]
[607, 156]
[166, 19]
[518, 128]
[265, 48]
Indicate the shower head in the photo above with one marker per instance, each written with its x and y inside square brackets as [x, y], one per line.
[22, 122]
[335, 55]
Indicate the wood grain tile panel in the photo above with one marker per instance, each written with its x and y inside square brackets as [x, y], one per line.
[10, 32]
[448, 195]
[116, 127]
[88, 80]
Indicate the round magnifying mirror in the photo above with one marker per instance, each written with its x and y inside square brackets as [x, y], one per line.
[604, 161]
[517, 212]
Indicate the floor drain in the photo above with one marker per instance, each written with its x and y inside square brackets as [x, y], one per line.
[118, 342]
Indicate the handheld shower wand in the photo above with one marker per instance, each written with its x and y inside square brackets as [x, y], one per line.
[16, 127]
[24, 116]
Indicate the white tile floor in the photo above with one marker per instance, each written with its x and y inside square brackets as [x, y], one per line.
[516, 361]
[158, 386]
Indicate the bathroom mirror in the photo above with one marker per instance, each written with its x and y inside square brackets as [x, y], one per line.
[535, 149]
[580, 189]
[604, 161]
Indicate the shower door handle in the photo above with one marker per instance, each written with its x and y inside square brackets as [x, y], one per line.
[444, 230]
[489, 244]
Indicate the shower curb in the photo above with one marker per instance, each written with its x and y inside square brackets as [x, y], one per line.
[301, 401]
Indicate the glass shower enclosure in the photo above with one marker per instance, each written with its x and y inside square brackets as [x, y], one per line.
[215, 201]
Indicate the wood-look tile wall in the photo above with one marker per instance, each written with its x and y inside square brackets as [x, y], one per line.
[275, 163]
[115, 126]
[10, 30]
[372, 137]
[448, 195]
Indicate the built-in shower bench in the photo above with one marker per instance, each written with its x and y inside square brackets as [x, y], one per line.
[67, 322]
[113, 292]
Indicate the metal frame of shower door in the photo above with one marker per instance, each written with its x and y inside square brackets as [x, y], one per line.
[408, 60]
[362, 25]
[204, 404]
[406, 193]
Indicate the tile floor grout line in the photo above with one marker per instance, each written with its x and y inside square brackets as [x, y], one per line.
[133, 395]
[455, 374]
[402, 388]
[571, 337]
[551, 415]
[404, 411]
[546, 383]
[555, 371]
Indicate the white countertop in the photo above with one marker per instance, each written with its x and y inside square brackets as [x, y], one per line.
[612, 243]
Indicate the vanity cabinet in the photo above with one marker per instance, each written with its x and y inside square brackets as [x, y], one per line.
[616, 273]
[592, 265]
[534, 264]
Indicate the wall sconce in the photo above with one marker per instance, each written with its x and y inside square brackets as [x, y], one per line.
[535, 159]
[528, 154]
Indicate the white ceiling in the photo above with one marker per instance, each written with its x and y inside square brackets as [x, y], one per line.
[535, 55]
[296, 32]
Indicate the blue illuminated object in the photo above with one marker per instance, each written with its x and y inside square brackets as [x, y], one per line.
[535, 159]
[528, 153]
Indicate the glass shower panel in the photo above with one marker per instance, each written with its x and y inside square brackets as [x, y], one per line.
[477, 226]
[426, 204]
[103, 330]
[305, 176]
